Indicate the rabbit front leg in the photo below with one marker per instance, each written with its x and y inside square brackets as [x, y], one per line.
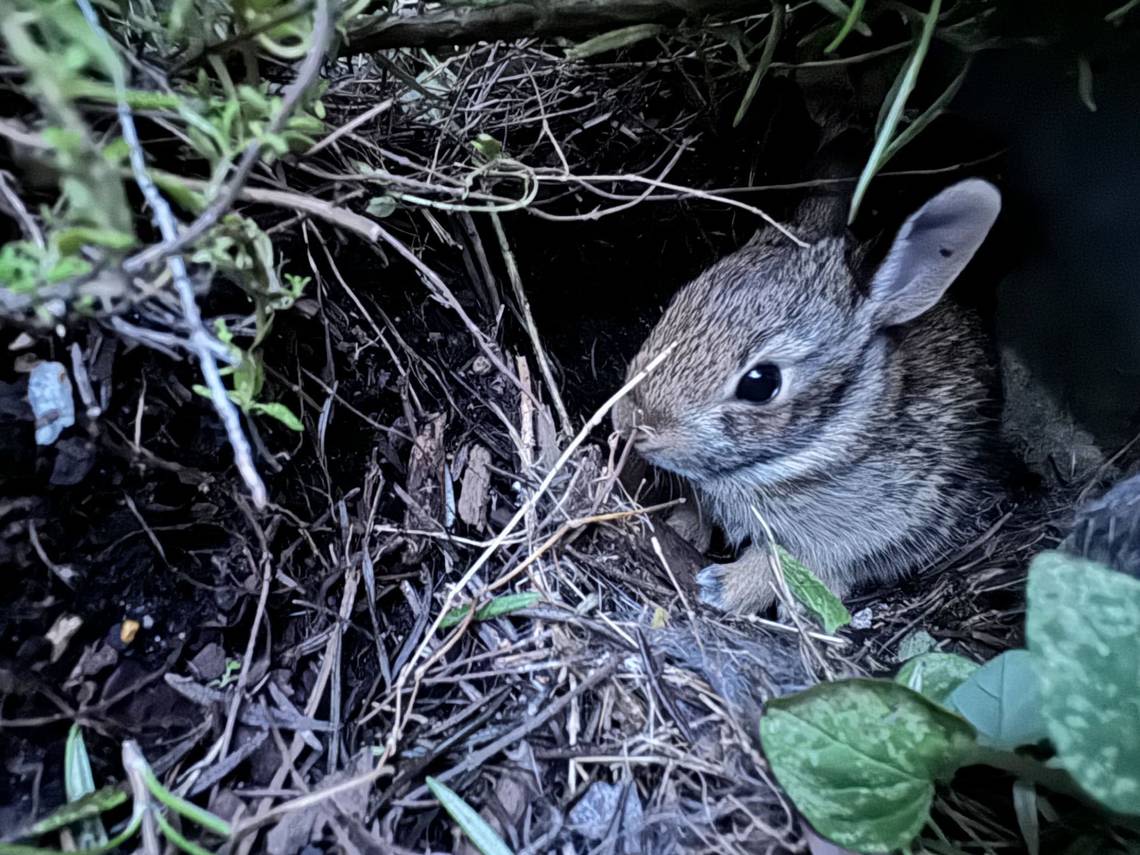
[743, 586]
[747, 585]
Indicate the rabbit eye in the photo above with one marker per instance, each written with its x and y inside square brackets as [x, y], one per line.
[760, 385]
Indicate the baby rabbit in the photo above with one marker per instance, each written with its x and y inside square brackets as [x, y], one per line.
[858, 421]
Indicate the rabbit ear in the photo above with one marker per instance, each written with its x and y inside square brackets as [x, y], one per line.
[931, 249]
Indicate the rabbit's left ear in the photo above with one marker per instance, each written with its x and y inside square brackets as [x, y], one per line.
[931, 249]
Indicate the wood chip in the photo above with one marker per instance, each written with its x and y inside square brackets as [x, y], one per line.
[474, 495]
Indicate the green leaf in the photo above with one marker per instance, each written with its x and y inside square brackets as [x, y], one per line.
[481, 835]
[248, 378]
[915, 644]
[496, 608]
[1002, 700]
[20, 263]
[935, 675]
[222, 331]
[613, 40]
[487, 147]
[110, 846]
[68, 267]
[807, 588]
[859, 758]
[1083, 630]
[78, 782]
[116, 151]
[381, 206]
[184, 197]
[280, 412]
[98, 802]
[74, 239]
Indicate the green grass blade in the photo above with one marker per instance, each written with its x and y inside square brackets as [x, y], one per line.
[775, 32]
[928, 115]
[907, 78]
[177, 838]
[613, 40]
[849, 23]
[842, 11]
[111, 845]
[481, 835]
[84, 808]
[183, 808]
[1117, 14]
[496, 608]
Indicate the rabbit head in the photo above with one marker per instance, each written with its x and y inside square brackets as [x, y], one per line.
[780, 356]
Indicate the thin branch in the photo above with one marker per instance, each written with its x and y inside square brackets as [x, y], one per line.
[201, 341]
[515, 20]
[307, 74]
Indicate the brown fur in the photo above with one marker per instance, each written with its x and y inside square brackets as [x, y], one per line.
[877, 454]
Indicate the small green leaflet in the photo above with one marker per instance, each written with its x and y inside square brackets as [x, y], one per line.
[78, 782]
[496, 608]
[381, 206]
[487, 147]
[1083, 631]
[613, 40]
[935, 675]
[915, 644]
[813, 593]
[280, 412]
[88, 806]
[860, 758]
[1002, 701]
[473, 825]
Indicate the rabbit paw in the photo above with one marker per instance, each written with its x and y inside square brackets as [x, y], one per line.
[742, 587]
[711, 587]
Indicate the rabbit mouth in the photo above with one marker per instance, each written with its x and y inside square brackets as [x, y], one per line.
[694, 464]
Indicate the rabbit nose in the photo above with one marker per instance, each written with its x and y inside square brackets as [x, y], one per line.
[627, 415]
[647, 443]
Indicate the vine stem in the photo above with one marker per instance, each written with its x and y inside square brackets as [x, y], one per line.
[1028, 769]
[1051, 778]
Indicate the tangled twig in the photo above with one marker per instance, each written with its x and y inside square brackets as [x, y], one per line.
[307, 74]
